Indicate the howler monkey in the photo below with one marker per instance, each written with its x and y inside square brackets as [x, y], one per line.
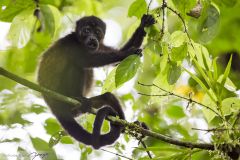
[66, 67]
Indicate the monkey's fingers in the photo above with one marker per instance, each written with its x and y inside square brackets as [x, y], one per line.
[138, 52]
[147, 20]
[85, 105]
[141, 124]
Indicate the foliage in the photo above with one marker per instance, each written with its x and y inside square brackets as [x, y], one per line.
[186, 86]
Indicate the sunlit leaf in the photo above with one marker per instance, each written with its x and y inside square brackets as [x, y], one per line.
[52, 126]
[230, 105]
[174, 73]
[21, 28]
[178, 38]
[66, 140]
[215, 69]
[109, 83]
[127, 69]
[14, 8]
[179, 53]
[42, 148]
[201, 84]
[56, 137]
[50, 19]
[227, 71]
[184, 6]
[175, 112]
[209, 115]
[137, 8]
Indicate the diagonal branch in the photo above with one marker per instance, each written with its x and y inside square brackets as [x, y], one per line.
[132, 126]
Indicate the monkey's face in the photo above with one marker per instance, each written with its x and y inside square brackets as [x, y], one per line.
[90, 37]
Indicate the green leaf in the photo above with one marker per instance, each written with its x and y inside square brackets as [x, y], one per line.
[209, 115]
[225, 93]
[43, 149]
[38, 108]
[230, 105]
[137, 8]
[229, 3]
[56, 137]
[175, 112]
[202, 73]
[14, 8]
[183, 6]
[180, 129]
[208, 26]
[109, 83]
[50, 19]
[127, 69]
[4, 3]
[22, 154]
[174, 73]
[56, 3]
[215, 69]
[52, 126]
[179, 53]
[227, 71]
[66, 140]
[201, 84]
[21, 28]
[177, 38]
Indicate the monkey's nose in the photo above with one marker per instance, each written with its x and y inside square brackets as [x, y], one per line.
[92, 43]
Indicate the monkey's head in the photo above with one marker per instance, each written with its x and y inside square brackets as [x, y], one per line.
[90, 32]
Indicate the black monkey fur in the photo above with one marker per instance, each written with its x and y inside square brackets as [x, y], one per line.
[66, 67]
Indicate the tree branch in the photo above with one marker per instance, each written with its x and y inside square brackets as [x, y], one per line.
[130, 126]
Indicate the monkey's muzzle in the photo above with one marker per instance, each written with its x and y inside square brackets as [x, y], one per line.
[92, 43]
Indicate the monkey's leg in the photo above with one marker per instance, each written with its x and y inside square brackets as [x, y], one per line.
[107, 99]
[97, 102]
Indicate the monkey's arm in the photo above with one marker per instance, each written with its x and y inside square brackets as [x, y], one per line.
[137, 37]
[102, 58]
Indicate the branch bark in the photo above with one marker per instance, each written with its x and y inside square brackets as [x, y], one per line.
[132, 126]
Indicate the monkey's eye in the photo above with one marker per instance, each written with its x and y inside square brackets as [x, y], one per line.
[86, 30]
[98, 33]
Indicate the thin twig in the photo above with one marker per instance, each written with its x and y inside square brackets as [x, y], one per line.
[117, 154]
[216, 129]
[164, 17]
[145, 146]
[154, 95]
[173, 94]
[184, 24]
[149, 6]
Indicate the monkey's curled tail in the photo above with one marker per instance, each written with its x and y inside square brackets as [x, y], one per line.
[95, 139]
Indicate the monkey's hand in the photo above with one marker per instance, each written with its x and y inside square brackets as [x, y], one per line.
[147, 20]
[143, 125]
[134, 50]
[85, 106]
